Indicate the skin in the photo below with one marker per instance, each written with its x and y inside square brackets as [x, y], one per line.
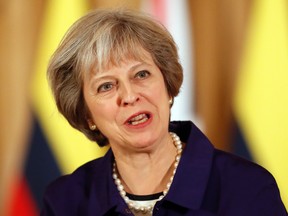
[134, 91]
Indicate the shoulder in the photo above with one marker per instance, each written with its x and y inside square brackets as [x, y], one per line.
[245, 185]
[237, 174]
[65, 194]
[231, 166]
[81, 176]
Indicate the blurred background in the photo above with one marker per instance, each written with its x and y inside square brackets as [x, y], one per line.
[235, 59]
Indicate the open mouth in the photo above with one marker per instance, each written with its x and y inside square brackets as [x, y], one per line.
[139, 119]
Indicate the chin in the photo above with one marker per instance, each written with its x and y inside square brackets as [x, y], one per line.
[144, 144]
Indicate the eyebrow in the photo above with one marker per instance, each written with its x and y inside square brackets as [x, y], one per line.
[134, 67]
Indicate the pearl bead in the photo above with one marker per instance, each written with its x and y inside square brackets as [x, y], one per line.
[115, 176]
[117, 181]
[168, 185]
[120, 187]
[130, 203]
[123, 193]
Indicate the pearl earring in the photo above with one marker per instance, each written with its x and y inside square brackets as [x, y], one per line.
[171, 101]
[93, 127]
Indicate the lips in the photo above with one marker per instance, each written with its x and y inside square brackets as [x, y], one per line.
[138, 119]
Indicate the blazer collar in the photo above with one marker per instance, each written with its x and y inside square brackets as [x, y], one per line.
[192, 175]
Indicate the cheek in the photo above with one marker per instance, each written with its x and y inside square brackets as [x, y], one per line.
[102, 112]
[97, 106]
[160, 94]
[160, 99]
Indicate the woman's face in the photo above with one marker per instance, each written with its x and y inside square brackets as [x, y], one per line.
[129, 103]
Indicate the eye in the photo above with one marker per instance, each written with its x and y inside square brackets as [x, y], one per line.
[105, 87]
[142, 74]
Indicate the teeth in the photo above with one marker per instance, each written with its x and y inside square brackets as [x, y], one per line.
[139, 122]
[138, 119]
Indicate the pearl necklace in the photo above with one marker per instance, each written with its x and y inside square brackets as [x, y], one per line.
[148, 209]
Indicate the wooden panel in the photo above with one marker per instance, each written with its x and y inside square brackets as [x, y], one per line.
[218, 31]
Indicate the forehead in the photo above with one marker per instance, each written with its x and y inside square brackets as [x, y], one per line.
[141, 57]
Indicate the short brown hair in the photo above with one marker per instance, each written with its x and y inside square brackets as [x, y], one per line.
[101, 38]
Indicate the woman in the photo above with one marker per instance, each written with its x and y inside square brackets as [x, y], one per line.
[114, 77]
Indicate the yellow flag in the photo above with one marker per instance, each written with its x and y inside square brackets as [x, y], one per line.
[69, 146]
[261, 100]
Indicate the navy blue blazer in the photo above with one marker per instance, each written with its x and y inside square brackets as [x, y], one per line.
[207, 182]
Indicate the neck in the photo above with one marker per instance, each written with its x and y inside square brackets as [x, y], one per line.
[147, 172]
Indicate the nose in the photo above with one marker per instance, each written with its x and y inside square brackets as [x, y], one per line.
[127, 95]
